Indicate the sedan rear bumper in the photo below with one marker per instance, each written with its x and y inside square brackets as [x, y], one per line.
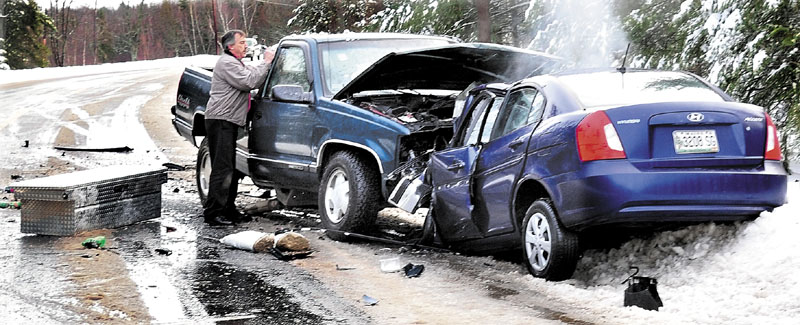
[610, 192]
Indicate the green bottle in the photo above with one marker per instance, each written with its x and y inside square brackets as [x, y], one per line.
[94, 242]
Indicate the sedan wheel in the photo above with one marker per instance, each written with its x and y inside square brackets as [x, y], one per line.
[550, 250]
[537, 242]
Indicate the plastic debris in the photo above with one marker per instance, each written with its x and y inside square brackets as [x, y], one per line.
[171, 229]
[390, 265]
[171, 166]
[263, 206]
[413, 270]
[164, 251]
[369, 301]
[10, 204]
[642, 292]
[94, 242]
[344, 268]
[98, 149]
[26, 144]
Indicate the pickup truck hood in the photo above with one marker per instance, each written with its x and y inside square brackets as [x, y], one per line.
[450, 67]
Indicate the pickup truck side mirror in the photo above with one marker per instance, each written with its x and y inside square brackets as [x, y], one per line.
[291, 93]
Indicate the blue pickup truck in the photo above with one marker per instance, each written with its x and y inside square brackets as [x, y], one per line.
[338, 114]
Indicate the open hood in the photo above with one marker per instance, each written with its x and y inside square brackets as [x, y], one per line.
[450, 67]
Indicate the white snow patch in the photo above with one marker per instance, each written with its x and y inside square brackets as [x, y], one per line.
[758, 59]
[741, 273]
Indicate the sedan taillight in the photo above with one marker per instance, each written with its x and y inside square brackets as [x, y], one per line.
[773, 147]
[598, 139]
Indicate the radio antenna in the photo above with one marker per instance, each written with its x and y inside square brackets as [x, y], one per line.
[624, 59]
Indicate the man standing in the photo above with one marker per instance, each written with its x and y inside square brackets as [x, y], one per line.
[226, 112]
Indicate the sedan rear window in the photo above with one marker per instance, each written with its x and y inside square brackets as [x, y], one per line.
[607, 89]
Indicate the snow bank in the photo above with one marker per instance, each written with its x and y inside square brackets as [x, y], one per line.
[742, 273]
[22, 75]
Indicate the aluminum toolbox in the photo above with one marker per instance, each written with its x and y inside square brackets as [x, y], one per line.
[108, 197]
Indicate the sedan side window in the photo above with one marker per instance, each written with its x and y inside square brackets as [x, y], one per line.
[524, 106]
[475, 122]
[290, 69]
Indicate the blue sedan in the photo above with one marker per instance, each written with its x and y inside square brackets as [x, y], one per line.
[537, 162]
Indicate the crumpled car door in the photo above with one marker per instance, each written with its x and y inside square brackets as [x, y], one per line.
[451, 176]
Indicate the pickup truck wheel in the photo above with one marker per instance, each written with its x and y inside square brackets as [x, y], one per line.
[549, 250]
[203, 170]
[349, 195]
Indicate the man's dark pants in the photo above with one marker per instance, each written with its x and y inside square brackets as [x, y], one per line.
[222, 187]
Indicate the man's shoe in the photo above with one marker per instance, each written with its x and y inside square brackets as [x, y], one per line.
[238, 217]
[217, 221]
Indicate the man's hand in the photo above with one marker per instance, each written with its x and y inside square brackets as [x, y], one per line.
[269, 54]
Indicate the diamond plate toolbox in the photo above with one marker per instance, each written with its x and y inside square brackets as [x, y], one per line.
[109, 197]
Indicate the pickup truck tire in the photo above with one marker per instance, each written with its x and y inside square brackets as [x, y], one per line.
[549, 250]
[349, 195]
[203, 171]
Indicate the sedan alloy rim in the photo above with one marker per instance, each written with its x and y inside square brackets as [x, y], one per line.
[538, 241]
[337, 195]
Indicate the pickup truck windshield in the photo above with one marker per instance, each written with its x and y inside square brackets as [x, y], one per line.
[345, 60]
[606, 89]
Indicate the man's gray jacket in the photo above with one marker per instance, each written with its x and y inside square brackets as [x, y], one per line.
[230, 88]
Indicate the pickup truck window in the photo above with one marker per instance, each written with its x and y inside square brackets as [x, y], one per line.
[343, 61]
[290, 69]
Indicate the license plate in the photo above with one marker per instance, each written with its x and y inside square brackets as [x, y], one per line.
[695, 141]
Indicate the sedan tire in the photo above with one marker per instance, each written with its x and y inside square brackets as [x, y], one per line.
[549, 250]
[349, 195]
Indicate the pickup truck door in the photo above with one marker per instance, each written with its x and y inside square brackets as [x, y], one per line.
[500, 163]
[280, 140]
[452, 170]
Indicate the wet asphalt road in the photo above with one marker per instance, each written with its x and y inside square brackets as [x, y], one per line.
[200, 281]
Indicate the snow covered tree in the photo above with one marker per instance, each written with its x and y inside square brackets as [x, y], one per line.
[749, 48]
[438, 17]
[26, 28]
[330, 16]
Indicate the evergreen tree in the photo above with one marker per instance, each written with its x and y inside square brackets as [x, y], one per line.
[105, 41]
[329, 16]
[438, 17]
[26, 27]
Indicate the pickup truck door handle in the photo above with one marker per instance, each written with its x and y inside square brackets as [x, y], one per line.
[514, 144]
[458, 164]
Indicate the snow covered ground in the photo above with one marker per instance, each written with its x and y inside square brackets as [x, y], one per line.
[742, 273]
[23, 75]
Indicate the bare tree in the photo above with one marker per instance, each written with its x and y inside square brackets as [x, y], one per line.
[484, 24]
[60, 13]
[2, 19]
